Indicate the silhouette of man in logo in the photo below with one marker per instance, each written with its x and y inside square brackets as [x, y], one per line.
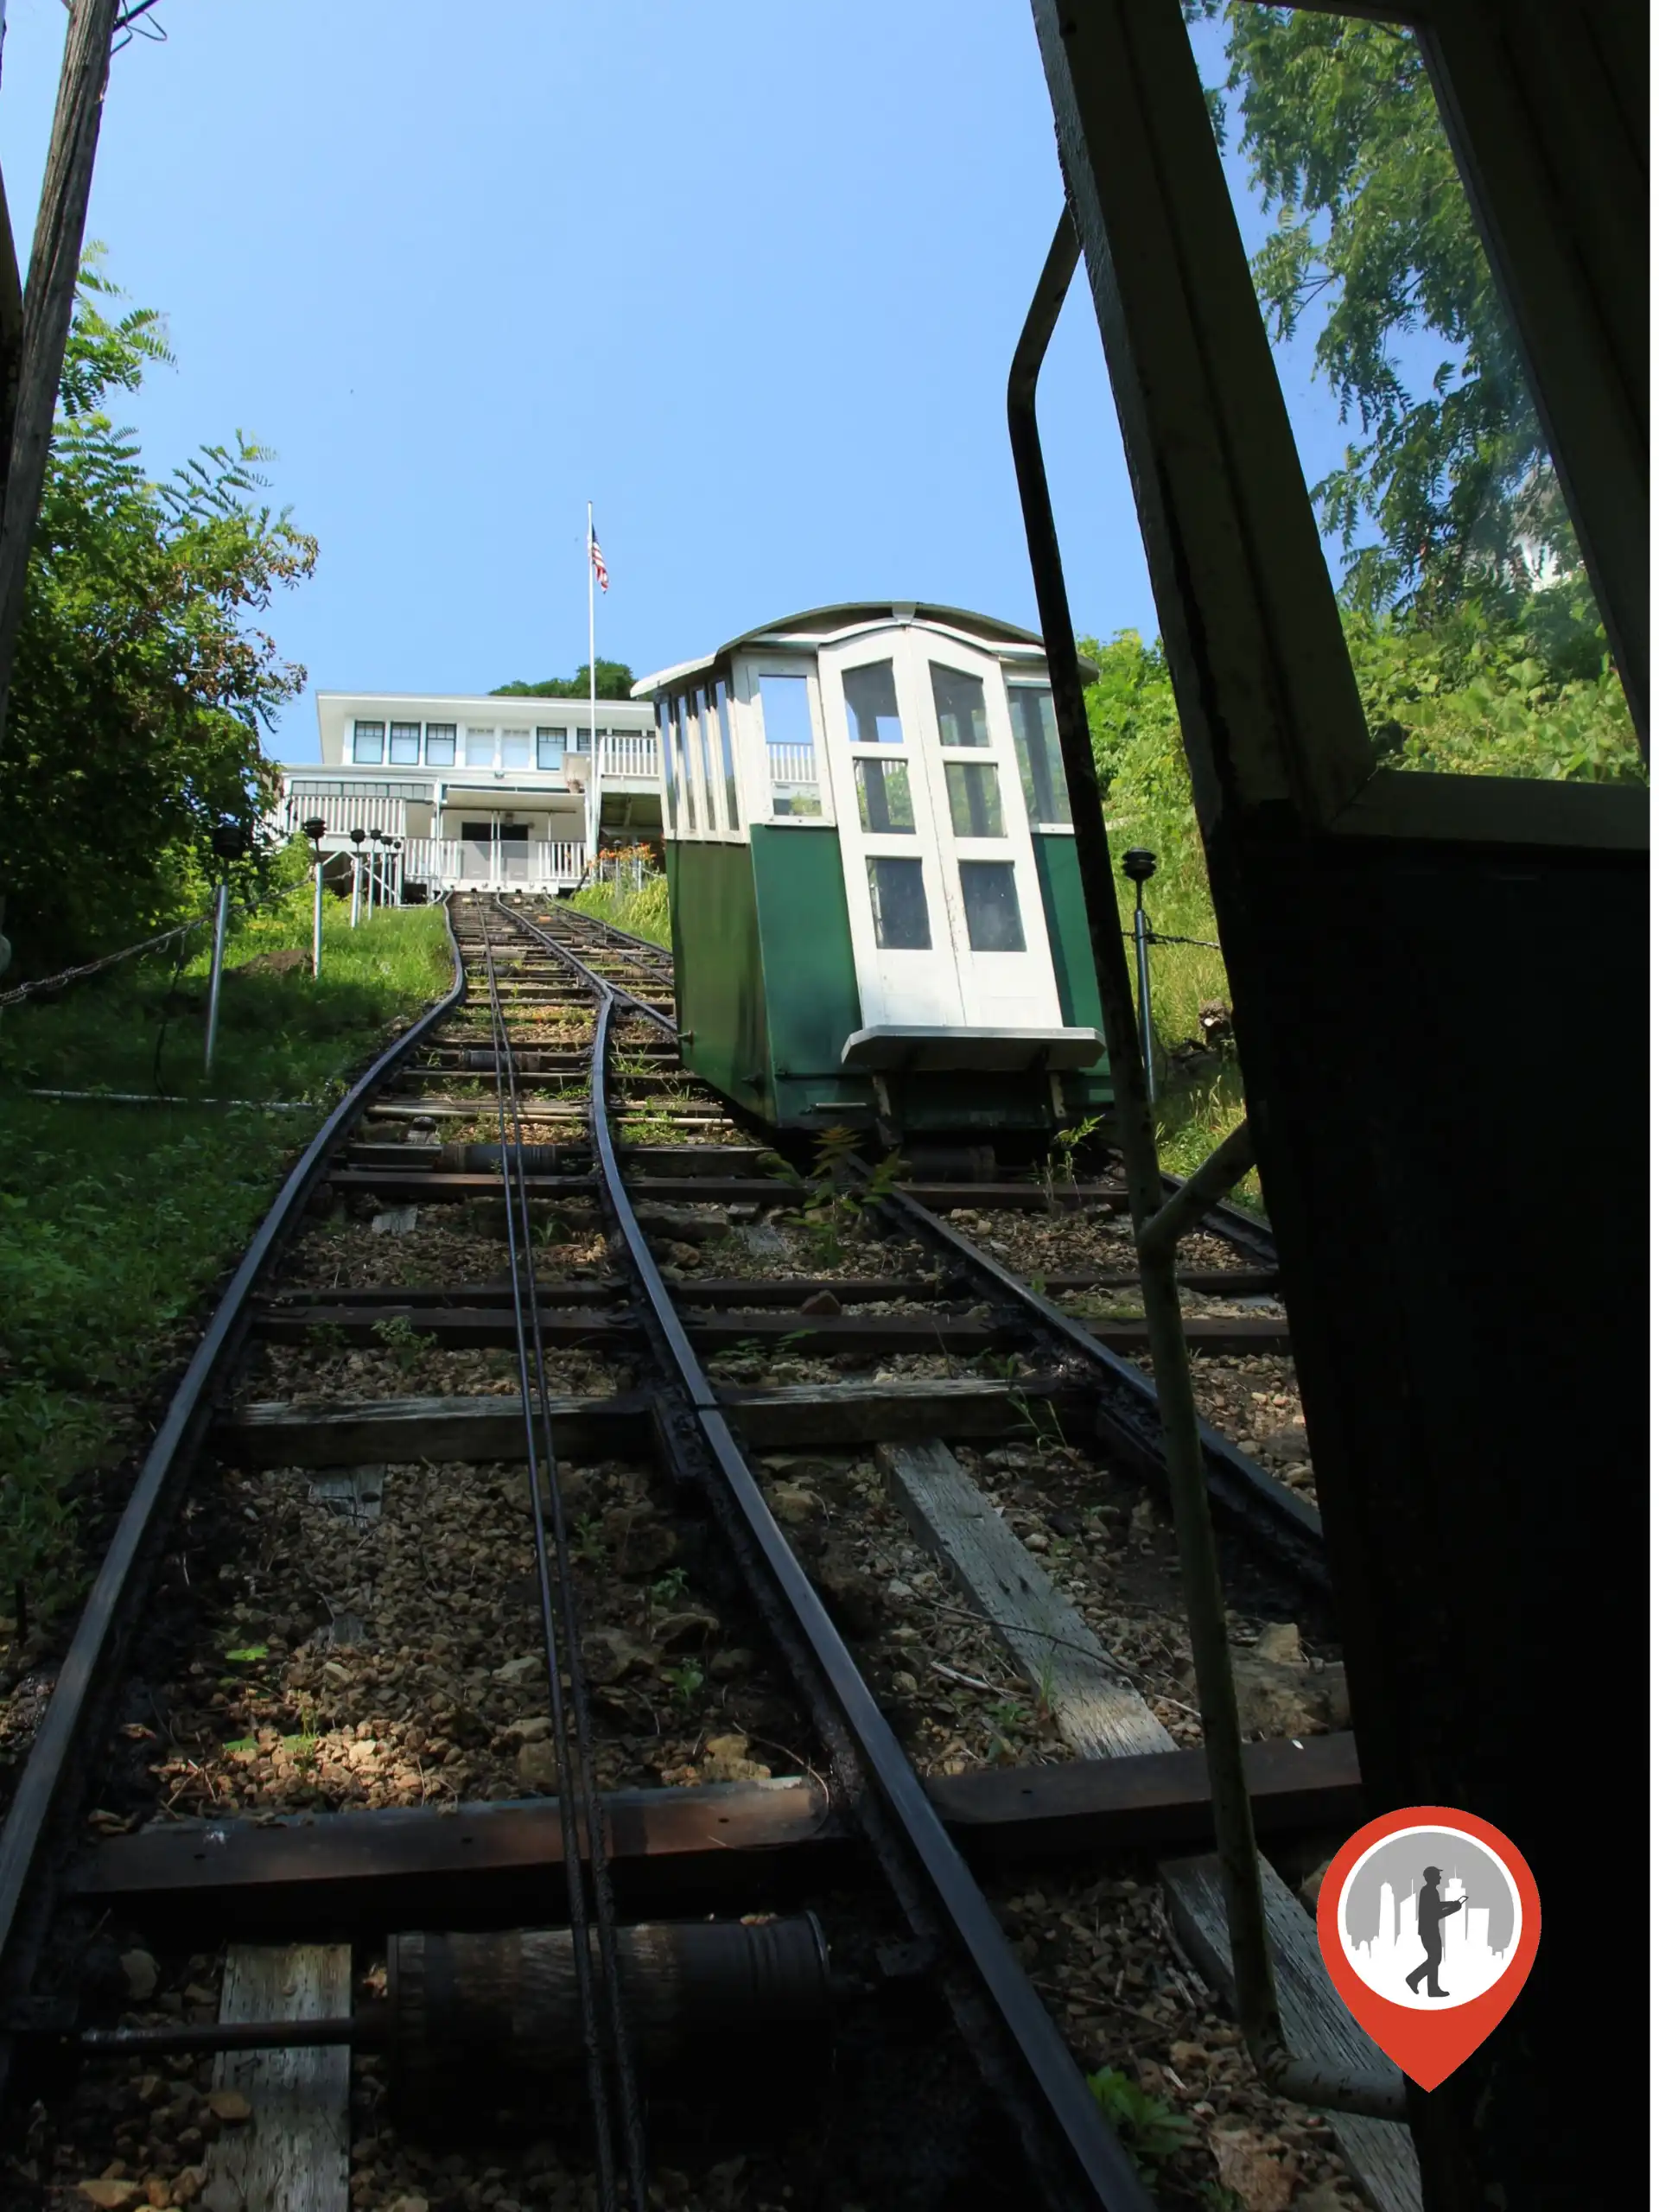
[1431, 1910]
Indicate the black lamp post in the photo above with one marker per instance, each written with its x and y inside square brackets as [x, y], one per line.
[357, 837]
[230, 841]
[1141, 866]
[315, 828]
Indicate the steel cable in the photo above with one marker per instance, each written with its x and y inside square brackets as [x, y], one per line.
[604, 2020]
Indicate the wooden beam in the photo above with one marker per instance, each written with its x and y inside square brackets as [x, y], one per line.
[49, 301]
[827, 1334]
[1004, 1580]
[430, 1185]
[356, 1432]
[1316, 2022]
[293, 2153]
[364, 1872]
[730, 1291]
[1100, 1715]
[11, 338]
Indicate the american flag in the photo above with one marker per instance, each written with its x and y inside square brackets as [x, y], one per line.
[599, 562]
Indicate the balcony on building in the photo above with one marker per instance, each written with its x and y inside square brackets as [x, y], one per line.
[482, 792]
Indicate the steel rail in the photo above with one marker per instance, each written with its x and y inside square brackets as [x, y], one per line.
[1128, 1413]
[614, 930]
[1093, 2165]
[600, 2007]
[1222, 1218]
[107, 1618]
[1272, 1513]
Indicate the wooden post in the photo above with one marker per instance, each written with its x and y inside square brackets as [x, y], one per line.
[49, 301]
[11, 336]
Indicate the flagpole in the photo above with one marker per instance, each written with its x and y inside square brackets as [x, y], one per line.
[592, 707]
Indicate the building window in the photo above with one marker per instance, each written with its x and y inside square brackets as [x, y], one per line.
[728, 762]
[440, 744]
[899, 901]
[871, 704]
[368, 741]
[405, 746]
[959, 702]
[549, 748]
[975, 801]
[585, 737]
[787, 721]
[515, 749]
[992, 906]
[885, 806]
[671, 791]
[1037, 741]
[481, 748]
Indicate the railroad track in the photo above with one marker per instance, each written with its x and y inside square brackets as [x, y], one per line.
[590, 1575]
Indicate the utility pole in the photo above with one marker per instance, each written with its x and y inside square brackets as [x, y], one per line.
[30, 374]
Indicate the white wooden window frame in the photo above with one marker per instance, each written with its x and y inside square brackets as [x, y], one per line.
[1023, 677]
[754, 667]
[950, 983]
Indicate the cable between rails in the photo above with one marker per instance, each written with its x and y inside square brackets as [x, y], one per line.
[604, 2022]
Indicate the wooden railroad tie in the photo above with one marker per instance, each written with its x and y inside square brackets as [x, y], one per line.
[468, 1325]
[714, 1843]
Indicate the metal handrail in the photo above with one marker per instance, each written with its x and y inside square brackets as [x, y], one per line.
[1157, 1222]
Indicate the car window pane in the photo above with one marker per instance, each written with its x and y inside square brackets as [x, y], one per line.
[976, 801]
[884, 801]
[871, 704]
[899, 901]
[1037, 741]
[959, 702]
[992, 906]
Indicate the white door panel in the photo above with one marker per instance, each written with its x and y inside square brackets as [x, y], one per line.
[942, 890]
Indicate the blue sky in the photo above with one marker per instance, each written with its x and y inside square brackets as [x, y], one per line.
[747, 275]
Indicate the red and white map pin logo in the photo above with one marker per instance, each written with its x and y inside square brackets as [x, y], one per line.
[1428, 1924]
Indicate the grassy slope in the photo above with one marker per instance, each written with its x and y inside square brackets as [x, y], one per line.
[644, 911]
[115, 1221]
[1194, 1111]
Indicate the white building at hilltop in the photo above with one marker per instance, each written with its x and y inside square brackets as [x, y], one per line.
[481, 790]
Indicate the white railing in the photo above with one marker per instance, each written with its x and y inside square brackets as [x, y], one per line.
[466, 864]
[629, 753]
[792, 764]
[389, 816]
[794, 771]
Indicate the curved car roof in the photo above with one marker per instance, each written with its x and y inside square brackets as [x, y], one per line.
[847, 614]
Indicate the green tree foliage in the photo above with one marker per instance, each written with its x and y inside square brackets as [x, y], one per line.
[142, 683]
[1526, 692]
[616, 682]
[1344, 141]
[1472, 694]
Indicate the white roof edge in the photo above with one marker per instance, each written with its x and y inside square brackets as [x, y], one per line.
[1012, 642]
[520, 703]
[643, 690]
